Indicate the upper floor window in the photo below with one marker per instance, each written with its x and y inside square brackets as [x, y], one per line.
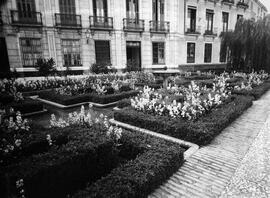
[190, 52]
[225, 21]
[26, 9]
[208, 53]
[71, 52]
[209, 20]
[132, 8]
[159, 53]
[100, 8]
[67, 6]
[30, 50]
[158, 10]
[239, 16]
[191, 20]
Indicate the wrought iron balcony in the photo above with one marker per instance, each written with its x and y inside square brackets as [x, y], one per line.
[193, 30]
[242, 4]
[229, 2]
[71, 21]
[101, 23]
[159, 26]
[133, 25]
[20, 18]
[211, 32]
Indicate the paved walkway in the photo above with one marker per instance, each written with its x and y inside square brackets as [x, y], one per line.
[216, 170]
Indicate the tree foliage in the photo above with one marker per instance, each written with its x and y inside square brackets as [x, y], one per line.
[45, 67]
[248, 46]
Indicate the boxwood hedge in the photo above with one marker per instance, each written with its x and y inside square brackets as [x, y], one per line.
[200, 131]
[27, 105]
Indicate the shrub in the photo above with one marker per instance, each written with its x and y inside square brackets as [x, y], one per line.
[103, 67]
[27, 105]
[45, 67]
[200, 131]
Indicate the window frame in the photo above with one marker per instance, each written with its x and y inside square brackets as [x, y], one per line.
[209, 23]
[192, 21]
[189, 52]
[208, 59]
[225, 24]
[72, 53]
[158, 54]
[25, 51]
[109, 47]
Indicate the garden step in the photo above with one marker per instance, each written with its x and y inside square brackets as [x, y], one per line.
[207, 172]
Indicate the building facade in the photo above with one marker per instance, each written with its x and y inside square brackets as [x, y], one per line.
[143, 33]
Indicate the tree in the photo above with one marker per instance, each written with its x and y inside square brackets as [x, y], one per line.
[45, 67]
[248, 46]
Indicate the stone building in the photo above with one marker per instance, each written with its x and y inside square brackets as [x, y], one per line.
[145, 33]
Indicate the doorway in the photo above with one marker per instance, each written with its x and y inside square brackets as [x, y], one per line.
[4, 62]
[134, 55]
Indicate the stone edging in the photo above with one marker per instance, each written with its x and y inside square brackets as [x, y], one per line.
[35, 113]
[189, 152]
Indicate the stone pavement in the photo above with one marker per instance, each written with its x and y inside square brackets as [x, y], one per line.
[227, 167]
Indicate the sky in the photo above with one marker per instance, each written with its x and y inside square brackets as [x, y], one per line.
[267, 4]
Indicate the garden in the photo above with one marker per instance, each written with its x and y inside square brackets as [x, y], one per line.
[84, 154]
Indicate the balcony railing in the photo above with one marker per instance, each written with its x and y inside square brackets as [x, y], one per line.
[230, 2]
[136, 25]
[159, 26]
[26, 18]
[103, 23]
[242, 4]
[68, 21]
[193, 30]
[211, 32]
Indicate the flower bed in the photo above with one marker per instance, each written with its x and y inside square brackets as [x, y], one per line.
[70, 100]
[200, 131]
[97, 155]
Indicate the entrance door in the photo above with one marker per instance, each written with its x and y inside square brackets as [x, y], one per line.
[134, 55]
[4, 63]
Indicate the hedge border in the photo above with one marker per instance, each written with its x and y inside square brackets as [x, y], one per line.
[201, 131]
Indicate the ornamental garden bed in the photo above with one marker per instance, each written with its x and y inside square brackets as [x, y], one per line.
[93, 160]
[69, 101]
[201, 131]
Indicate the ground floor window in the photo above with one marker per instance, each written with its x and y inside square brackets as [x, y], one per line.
[30, 51]
[103, 54]
[71, 52]
[208, 53]
[190, 52]
[159, 53]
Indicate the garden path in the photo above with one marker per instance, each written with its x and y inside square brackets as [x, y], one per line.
[236, 158]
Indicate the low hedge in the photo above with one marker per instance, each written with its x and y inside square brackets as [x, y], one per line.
[153, 85]
[27, 105]
[142, 163]
[62, 170]
[256, 92]
[102, 99]
[138, 177]
[201, 131]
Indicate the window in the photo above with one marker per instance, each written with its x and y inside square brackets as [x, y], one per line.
[209, 21]
[208, 53]
[190, 52]
[102, 52]
[225, 21]
[158, 53]
[158, 10]
[71, 52]
[239, 16]
[132, 7]
[26, 9]
[191, 21]
[67, 6]
[100, 8]
[31, 51]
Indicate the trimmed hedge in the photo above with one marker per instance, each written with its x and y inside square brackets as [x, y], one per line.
[102, 99]
[27, 105]
[201, 131]
[138, 177]
[256, 92]
[153, 85]
[87, 157]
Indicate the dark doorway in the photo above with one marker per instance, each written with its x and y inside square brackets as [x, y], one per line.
[4, 63]
[134, 55]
